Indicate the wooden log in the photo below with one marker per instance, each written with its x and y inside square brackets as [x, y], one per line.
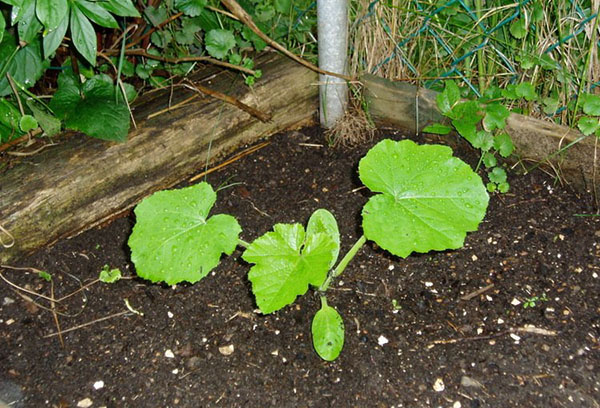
[536, 141]
[83, 182]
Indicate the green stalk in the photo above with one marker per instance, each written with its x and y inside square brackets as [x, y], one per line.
[243, 243]
[343, 263]
[480, 56]
[584, 74]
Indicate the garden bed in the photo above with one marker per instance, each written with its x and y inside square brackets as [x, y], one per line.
[510, 319]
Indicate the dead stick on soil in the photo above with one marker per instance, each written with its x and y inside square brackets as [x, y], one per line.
[173, 107]
[88, 323]
[525, 329]
[477, 292]
[263, 117]
[245, 18]
[229, 161]
[55, 316]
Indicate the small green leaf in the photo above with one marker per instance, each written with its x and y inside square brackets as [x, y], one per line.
[483, 140]
[518, 28]
[503, 144]
[429, 199]
[588, 125]
[322, 221]
[27, 123]
[550, 105]
[438, 129]
[84, 35]
[123, 8]
[497, 175]
[489, 160]
[174, 239]
[48, 122]
[328, 332]
[108, 275]
[45, 275]
[537, 13]
[283, 6]
[466, 128]
[510, 92]
[51, 13]
[219, 42]
[495, 117]
[491, 187]
[503, 187]
[448, 97]
[97, 14]
[287, 260]
[190, 8]
[526, 90]
[591, 104]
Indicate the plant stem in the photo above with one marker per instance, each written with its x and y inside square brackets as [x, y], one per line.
[323, 301]
[343, 263]
[243, 243]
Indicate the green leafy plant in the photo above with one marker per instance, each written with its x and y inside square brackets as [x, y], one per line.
[482, 125]
[533, 300]
[109, 275]
[425, 199]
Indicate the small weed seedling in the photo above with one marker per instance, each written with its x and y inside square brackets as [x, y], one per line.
[532, 301]
[425, 200]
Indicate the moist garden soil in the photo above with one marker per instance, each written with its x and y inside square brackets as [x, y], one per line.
[510, 320]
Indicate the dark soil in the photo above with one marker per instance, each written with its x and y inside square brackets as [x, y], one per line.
[447, 345]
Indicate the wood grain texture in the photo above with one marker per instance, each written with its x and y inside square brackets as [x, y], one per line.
[536, 141]
[83, 182]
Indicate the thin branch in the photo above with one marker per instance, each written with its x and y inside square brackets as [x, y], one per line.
[142, 53]
[245, 18]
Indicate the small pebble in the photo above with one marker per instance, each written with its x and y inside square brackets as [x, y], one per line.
[515, 302]
[382, 340]
[170, 315]
[457, 404]
[438, 385]
[85, 403]
[469, 382]
[175, 371]
[515, 337]
[474, 258]
[428, 284]
[8, 301]
[227, 350]
[98, 385]
[500, 321]
[391, 268]
[169, 354]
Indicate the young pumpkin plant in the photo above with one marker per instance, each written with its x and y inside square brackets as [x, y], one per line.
[425, 200]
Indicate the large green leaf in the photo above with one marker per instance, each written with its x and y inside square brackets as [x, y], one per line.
[429, 199]
[190, 8]
[2, 26]
[53, 39]
[123, 8]
[48, 122]
[91, 108]
[26, 67]
[51, 12]
[97, 14]
[29, 25]
[328, 332]
[287, 260]
[83, 35]
[174, 239]
[219, 42]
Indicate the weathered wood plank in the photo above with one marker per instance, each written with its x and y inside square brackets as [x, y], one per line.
[394, 104]
[83, 182]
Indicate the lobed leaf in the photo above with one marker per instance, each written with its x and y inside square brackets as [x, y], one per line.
[288, 259]
[428, 200]
[174, 240]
